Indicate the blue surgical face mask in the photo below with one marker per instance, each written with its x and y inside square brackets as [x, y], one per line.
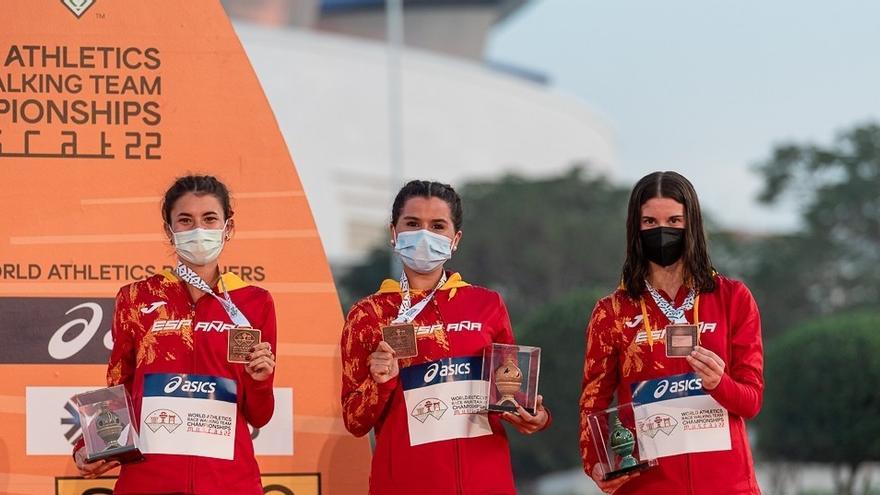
[199, 246]
[423, 251]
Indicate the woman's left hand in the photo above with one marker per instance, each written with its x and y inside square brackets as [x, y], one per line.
[262, 362]
[709, 367]
[525, 422]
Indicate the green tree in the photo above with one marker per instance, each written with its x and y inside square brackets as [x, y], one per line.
[535, 240]
[821, 402]
[834, 262]
[364, 278]
[777, 271]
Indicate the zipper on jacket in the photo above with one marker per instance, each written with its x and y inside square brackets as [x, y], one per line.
[192, 474]
[460, 483]
[690, 478]
[192, 368]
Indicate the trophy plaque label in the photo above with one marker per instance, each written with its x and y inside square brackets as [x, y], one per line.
[401, 338]
[672, 420]
[681, 340]
[240, 342]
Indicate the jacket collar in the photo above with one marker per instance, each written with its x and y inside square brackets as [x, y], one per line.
[230, 280]
[453, 281]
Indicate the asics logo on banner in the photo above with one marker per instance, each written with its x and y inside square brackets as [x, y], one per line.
[675, 387]
[153, 307]
[189, 386]
[62, 348]
[463, 326]
[446, 370]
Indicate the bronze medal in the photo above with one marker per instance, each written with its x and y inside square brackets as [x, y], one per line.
[401, 338]
[240, 342]
[681, 340]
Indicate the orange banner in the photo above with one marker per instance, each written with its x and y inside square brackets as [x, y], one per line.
[102, 104]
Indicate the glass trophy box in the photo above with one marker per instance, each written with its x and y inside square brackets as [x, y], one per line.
[615, 443]
[512, 372]
[108, 425]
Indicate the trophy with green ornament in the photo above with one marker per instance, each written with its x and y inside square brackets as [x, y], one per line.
[614, 444]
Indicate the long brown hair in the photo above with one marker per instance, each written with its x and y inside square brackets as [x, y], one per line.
[698, 270]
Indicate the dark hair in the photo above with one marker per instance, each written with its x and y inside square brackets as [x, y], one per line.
[428, 189]
[698, 270]
[198, 185]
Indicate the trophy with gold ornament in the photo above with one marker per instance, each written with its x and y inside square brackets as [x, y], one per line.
[108, 425]
[512, 372]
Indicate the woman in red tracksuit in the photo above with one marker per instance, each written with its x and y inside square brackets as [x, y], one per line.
[668, 279]
[170, 351]
[429, 439]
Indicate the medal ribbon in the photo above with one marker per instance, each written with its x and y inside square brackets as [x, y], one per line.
[407, 312]
[674, 315]
[192, 278]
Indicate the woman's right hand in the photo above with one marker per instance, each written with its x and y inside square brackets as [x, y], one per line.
[383, 364]
[609, 486]
[91, 470]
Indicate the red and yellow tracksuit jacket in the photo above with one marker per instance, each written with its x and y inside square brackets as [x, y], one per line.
[157, 328]
[619, 355]
[460, 321]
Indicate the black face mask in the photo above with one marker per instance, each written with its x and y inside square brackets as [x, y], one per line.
[663, 245]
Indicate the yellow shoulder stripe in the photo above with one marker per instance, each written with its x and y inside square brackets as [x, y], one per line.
[230, 280]
[453, 282]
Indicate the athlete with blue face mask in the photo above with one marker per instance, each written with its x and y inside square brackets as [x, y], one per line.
[432, 436]
[170, 331]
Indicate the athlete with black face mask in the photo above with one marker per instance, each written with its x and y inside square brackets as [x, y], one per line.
[699, 397]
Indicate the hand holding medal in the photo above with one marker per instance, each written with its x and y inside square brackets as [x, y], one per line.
[708, 366]
[262, 362]
[383, 363]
